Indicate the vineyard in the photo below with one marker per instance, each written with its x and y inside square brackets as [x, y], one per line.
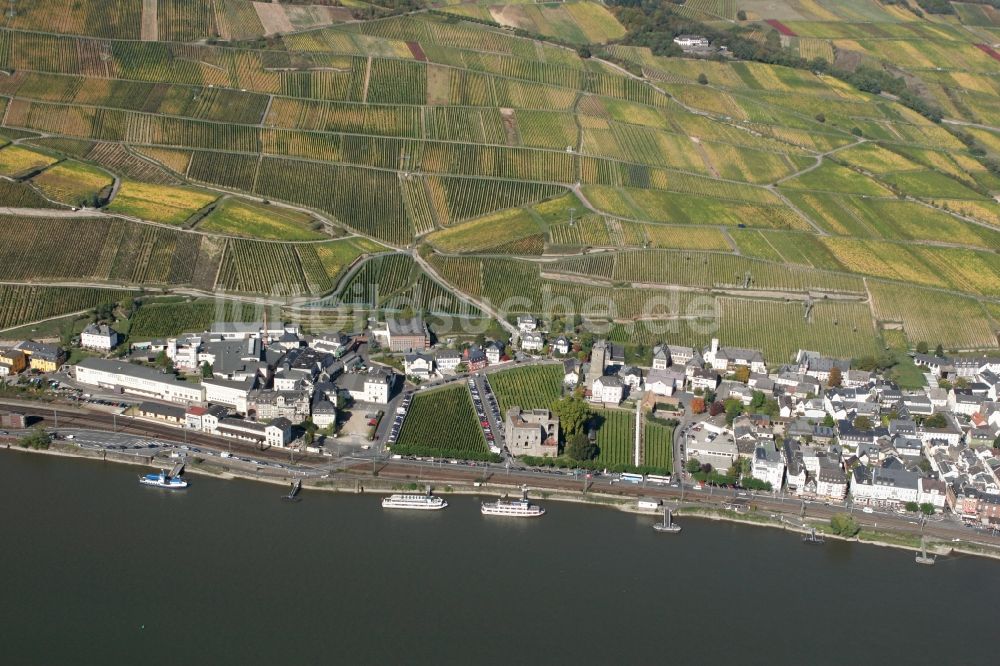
[442, 423]
[658, 445]
[532, 387]
[287, 143]
[21, 305]
[156, 320]
[615, 437]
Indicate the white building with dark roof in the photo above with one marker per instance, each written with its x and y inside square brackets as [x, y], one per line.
[608, 389]
[767, 464]
[137, 379]
[99, 337]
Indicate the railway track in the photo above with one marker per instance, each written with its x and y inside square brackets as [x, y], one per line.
[75, 419]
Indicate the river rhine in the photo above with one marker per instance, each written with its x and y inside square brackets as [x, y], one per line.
[98, 570]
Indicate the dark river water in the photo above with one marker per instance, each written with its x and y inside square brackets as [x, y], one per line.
[98, 570]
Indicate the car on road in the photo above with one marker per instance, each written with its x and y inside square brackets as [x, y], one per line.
[867, 509]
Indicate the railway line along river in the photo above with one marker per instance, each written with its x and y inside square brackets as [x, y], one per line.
[97, 569]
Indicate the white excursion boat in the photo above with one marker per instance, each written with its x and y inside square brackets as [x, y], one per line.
[520, 508]
[418, 502]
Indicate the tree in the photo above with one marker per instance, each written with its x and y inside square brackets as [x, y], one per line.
[733, 409]
[836, 378]
[163, 361]
[820, 118]
[693, 465]
[741, 15]
[912, 507]
[927, 509]
[936, 420]
[697, 405]
[716, 409]
[206, 370]
[583, 52]
[702, 79]
[581, 448]
[742, 374]
[939, 351]
[309, 433]
[863, 423]
[573, 415]
[921, 347]
[828, 421]
[36, 439]
[758, 400]
[844, 525]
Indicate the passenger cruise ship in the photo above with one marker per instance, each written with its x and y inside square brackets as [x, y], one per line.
[419, 502]
[520, 508]
[163, 480]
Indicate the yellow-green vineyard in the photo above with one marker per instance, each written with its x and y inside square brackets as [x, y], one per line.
[311, 158]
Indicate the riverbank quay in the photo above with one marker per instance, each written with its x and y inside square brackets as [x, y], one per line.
[390, 477]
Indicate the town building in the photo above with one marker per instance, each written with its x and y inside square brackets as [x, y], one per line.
[276, 433]
[42, 357]
[664, 382]
[336, 343]
[474, 359]
[526, 323]
[374, 386]
[418, 365]
[402, 335]
[266, 405]
[884, 486]
[767, 464]
[494, 352]
[12, 362]
[713, 446]
[531, 432]
[99, 337]
[156, 411]
[232, 392]
[533, 342]
[447, 360]
[661, 357]
[608, 390]
[691, 42]
[137, 379]
[561, 345]
[831, 482]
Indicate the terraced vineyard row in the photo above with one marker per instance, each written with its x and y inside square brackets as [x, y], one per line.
[22, 304]
[157, 320]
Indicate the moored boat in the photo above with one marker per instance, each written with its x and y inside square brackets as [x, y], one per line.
[520, 508]
[417, 502]
[163, 480]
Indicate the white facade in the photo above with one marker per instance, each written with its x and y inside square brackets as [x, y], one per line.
[607, 390]
[418, 365]
[141, 380]
[448, 361]
[532, 342]
[526, 323]
[225, 392]
[377, 389]
[99, 338]
[767, 465]
[561, 346]
[884, 488]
